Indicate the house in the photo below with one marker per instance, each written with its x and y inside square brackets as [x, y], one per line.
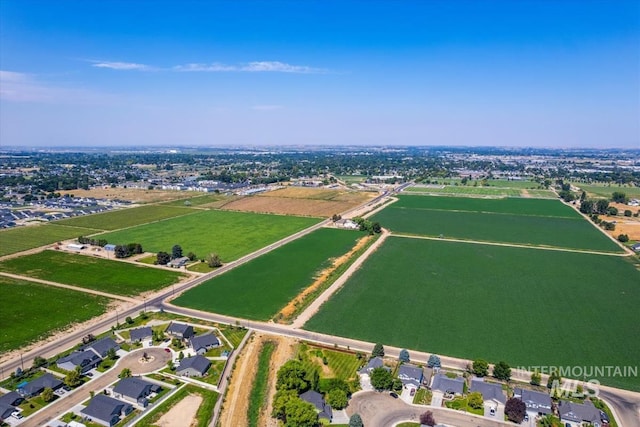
[316, 399]
[106, 410]
[110, 247]
[202, 343]
[448, 386]
[575, 414]
[37, 386]
[180, 330]
[178, 262]
[141, 334]
[135, 390]
[635, 247]
[87, 360]
[538, 403]
[348, 224]
[489, 391]
[410, 375]
[374, 362]
[8, 403]
[102, 346]
[195, 366]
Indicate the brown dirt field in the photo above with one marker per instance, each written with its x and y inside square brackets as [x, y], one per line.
[305, 193]
[183, 414]
[136, 195]
[285, 314]
[290, 206]
[632, 229]
[285, 350]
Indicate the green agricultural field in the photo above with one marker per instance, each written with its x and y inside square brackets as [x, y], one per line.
[114, 277]
[230, 234]
[24, 238]
[122, 218]
[197, 200]
[516, 206]
[518, 229]
[260, 288]
[525, 306]
[41, 310]
[475, 191]
[606, 190]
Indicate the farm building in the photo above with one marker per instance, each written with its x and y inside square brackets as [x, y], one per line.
[178, 262]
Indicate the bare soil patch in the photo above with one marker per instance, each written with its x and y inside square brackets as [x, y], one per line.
[285, 350]
[135, 195]
[183, 414]
[289, 310]
[631, 229]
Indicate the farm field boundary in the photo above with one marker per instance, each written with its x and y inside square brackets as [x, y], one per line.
[537, 307]
[21, 239]
[258, 289]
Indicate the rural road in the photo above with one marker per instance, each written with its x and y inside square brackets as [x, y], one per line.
[82, 393]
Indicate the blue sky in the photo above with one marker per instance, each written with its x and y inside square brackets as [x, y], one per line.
[545, 73]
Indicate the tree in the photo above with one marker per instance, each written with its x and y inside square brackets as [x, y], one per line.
[73, 378]
[396, 385]
[39, 361]
[378, 350]
[612, 211]
[554, 380]
[176, 252]
[601, 206]
[121, 251]
[356, 421]
[404, 356]
[325, 385]
[125, 373]
[475, 400]
[111, 354]
[214, 260]
[163, 258]
[192, 256]
[619, 197]
[502, 371]
[280, 400]
[587, 206]
[300, 414]
[381, 379]
[376, 228]
[47, 394]
[480, 368]
[536, 378]
[627, 212]
[434, 361]
[623, 238]
[583, 196]
[293, 376]
[129, 320]
[515, 409]
[337, 398]
[428, 419]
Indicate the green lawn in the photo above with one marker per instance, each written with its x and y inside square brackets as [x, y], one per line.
[230, 234]
[260, 288]
[41, 310]
[121, 218]
[525, 306]
[20, 239]
[89, 272]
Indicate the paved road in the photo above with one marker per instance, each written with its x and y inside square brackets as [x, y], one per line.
[382, 410]
[79, 395]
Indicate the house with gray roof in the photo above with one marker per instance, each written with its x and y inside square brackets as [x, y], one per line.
[141, 334]
[489, 391]
[8, 403]
[317, 400]
[178, 262]
[37, 386]
[203, 343]
[410, 375]
[106, 410]
[180, 330]
[577, 413]
[374, 362]
[538, 403]
[102, 346]
[87, 360]
[446, 385]
[135, 390]
[195, 366]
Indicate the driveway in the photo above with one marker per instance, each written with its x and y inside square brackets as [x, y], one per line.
[382, 410]
[132, 361]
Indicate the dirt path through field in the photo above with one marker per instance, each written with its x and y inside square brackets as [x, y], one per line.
[285, 350]
[286, 313]
[183, 414]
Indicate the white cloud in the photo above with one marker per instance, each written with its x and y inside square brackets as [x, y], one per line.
[22, 87]
[114, 65]
[267, 107]
[251, 67]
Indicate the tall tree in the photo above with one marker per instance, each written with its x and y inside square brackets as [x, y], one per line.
[427, 419]
[404, 355]
[337, 398]
[480, 367]
[356, 421]
[515, 409]
[475, 400]
[176, 252]
[378, 350]
[502, 371]
[163, 258]
[536, 378]
[381, 379]
[300, 414]
[214, 260]
[434, 361]
[47, 394]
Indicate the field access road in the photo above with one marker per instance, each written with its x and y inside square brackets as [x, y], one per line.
[79, 395]
[382, 410]
[625, 404]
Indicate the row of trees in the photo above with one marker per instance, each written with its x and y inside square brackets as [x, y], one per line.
[367, 225]
[83, 240]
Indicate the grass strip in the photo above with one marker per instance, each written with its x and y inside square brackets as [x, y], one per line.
[257, 398]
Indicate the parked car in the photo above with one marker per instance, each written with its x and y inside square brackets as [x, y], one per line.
[492, 412]
[394, 395]
[17, 415]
